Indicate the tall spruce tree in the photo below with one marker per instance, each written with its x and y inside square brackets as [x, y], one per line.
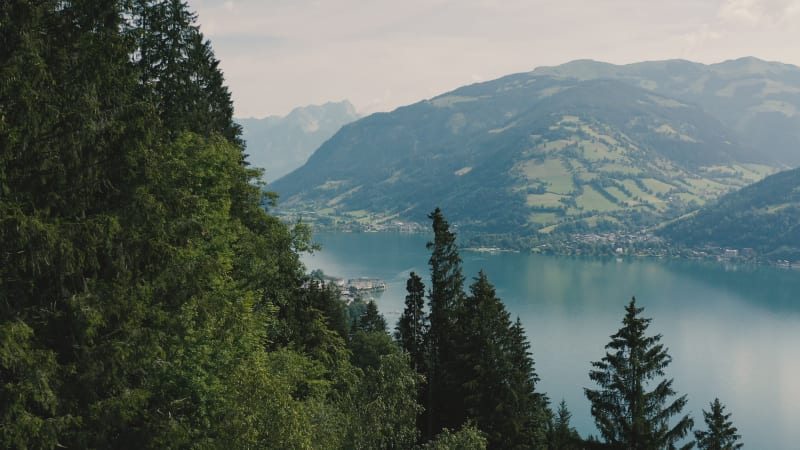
[721, 434]
[445, 298]
[70, 129]
[561, 435]
[627, 414]
[530, 408]
[412, 325]
[496, 373]
[372, 321]
[179, 71]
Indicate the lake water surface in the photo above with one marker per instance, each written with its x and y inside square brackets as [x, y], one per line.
[732, 332]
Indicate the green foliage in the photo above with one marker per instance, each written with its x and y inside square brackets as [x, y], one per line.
[372, 321]
[28, 399]
[467, 438]
[560, 434]
[721, 434]
[445, 300]
[627, 414]
[141, 282]
[385, 407]
[178, 70]
[496, 374]
[368, 347]
[412, 326]
[477, 363]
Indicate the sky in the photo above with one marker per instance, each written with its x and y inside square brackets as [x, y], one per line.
[381, 54]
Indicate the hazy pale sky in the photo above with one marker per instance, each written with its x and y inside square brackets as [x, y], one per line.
[381, 54]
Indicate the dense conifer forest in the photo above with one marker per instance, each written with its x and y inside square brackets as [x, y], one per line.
[148, 299]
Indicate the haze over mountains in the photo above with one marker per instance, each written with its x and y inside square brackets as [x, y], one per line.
[282, 144]
[566, 147]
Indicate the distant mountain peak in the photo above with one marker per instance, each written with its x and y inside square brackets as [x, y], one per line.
[281, 144]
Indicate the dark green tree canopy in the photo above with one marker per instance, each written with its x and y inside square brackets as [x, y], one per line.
[477, 363]
[372, 320]
[721, 434]
[146, 298]
[412, 326]
[561, 435]
[629, 412]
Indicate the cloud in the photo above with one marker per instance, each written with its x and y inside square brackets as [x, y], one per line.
[380, 54]
[757, 13]
[699, 38]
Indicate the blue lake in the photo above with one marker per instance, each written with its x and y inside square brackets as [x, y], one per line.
[732, 332]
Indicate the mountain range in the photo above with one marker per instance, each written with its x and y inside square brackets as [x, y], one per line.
[281, 144]
[578, 146]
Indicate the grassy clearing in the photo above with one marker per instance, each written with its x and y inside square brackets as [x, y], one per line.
[552, 172]
[597, 151]
[357, 214]
[658, 187]
[776, 208]
[542, 218]
[621, 196]
[687, 197]
[547, 200]
[620, 168]
[547, 230]
[670, 132]
[451, 100]
[707, 188]
[666, 102]
[332, 184]
[755, 172]
[340, 197]
[555, 146]
[644, 197]
[591, 200]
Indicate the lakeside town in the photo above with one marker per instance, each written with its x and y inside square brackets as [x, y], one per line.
[352, 288]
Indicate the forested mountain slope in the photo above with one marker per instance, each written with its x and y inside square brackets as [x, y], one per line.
[764, 217]
[524, 154]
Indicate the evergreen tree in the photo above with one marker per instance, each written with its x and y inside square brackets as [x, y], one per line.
[466, 438]
[530, 408]
[721, 434]
[627, 414]
[70, 131]
[445, 298]
[447, 282]
[561, 435]
[372, 320]
[411, 327]
[496, 373]
[179, 71]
